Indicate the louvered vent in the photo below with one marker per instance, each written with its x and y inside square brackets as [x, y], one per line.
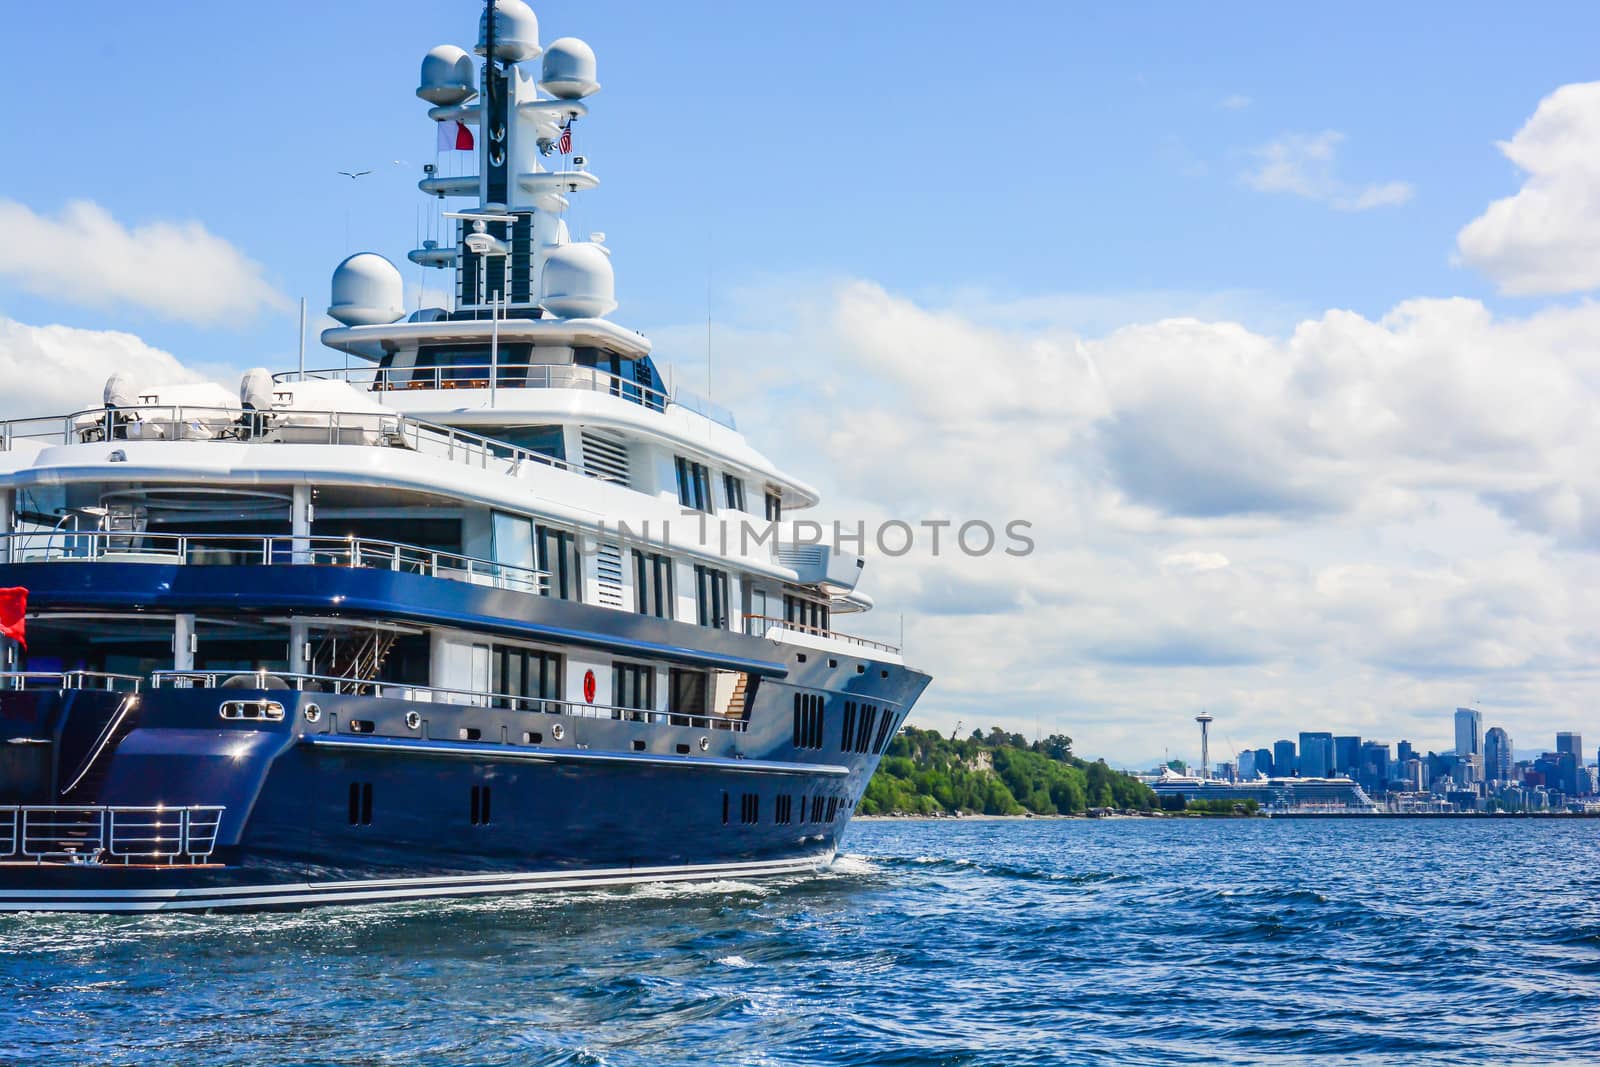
[605, 456]
[608, 569]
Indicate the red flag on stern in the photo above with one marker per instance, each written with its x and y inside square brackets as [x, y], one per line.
[13, 614]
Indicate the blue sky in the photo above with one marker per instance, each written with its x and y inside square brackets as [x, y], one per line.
[1018, 148]
[1180, 283]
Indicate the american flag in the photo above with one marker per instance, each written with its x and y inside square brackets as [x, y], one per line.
[565, 144]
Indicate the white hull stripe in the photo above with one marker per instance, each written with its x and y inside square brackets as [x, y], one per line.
[383, 889]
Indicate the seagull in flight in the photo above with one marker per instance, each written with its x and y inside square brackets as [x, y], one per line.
[353, 175]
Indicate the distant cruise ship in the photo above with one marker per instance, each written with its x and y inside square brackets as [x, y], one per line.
[1273, 794]
[443, 624]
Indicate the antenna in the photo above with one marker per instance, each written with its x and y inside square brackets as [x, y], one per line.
[302, 338]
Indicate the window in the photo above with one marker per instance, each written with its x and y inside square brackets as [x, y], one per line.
[711, 596]
[513, 540]
[686, 695]
[733, 492]
[750, 808]
[805, 613]
[869, 715]
[849, 726]
[783, 810]
[833, 808]
[633, 686]
[724, 807]
[885, 731]
[653, 592]
[479, 814]
[522, 672]
[774, 507]
[816, 809]
[808, 720]
[694, 485]
[802, 806]
[558, 557]
[360, 804]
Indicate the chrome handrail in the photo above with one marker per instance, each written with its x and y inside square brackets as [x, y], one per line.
[758, 626]
[194, 423]
[92, 832]
[67, 680]
[266, 550]
[455, 697]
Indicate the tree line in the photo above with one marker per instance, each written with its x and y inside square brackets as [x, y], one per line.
[925, 773]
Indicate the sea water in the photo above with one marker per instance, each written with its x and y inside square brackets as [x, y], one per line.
[939, 942]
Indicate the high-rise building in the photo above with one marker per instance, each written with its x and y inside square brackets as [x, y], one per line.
[1284, 763]
[1316, 754]
[1469, 732]
[1347, 755]
[1374, 771]
[1497, 759]
[1404, 753]
[1567, 741]
[1264, 762]
[1247, 765]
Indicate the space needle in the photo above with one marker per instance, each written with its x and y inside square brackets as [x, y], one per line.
[1205, 744]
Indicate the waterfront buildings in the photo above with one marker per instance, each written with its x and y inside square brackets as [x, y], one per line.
[1316, 755]
[1469, 732]
[1284, 761]
[1347, 755]
[1497, 755]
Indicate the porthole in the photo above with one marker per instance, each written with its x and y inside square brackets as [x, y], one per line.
[312, 712]
[705, 744]
[413, 720]
[556, 731]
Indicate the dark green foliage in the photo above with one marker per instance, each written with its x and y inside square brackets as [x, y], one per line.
[1218, 807]
[997, 773]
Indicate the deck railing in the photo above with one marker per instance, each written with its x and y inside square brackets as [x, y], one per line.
[432, 694]
[69, 680]
[759, 625]
[109, 834]
[514, 376]
[257, 550]
[189, 422]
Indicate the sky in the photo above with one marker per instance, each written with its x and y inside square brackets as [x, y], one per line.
[1277, 324]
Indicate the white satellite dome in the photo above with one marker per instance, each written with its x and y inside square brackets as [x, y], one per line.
[256, 389]
[367, 291]
[516, 31]
[569, 70]
[577, 282]
[447, 76]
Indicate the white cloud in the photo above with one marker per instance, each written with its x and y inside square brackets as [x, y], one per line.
[177, 270]
[1235, 102]
[50, 370]
[1357, 525]
[1303, 165]
[1546, 237]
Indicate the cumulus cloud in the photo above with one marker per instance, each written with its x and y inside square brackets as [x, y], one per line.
[1546, 237]
[1358, 523]
[1304, 165]
[177, 270]
[55, 369]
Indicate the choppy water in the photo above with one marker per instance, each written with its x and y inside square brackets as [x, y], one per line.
[934, 943]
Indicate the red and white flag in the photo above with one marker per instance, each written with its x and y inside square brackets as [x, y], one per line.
[454, 137]
[565, 144]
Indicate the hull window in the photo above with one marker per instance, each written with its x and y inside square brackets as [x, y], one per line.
[633, 686]
[360, 804]
[808, 720]
[479, 813]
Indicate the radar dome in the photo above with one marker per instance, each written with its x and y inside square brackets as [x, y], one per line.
[367, 291]
[516, 31]
[569, 70]
[577, 282]
[447, 76]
